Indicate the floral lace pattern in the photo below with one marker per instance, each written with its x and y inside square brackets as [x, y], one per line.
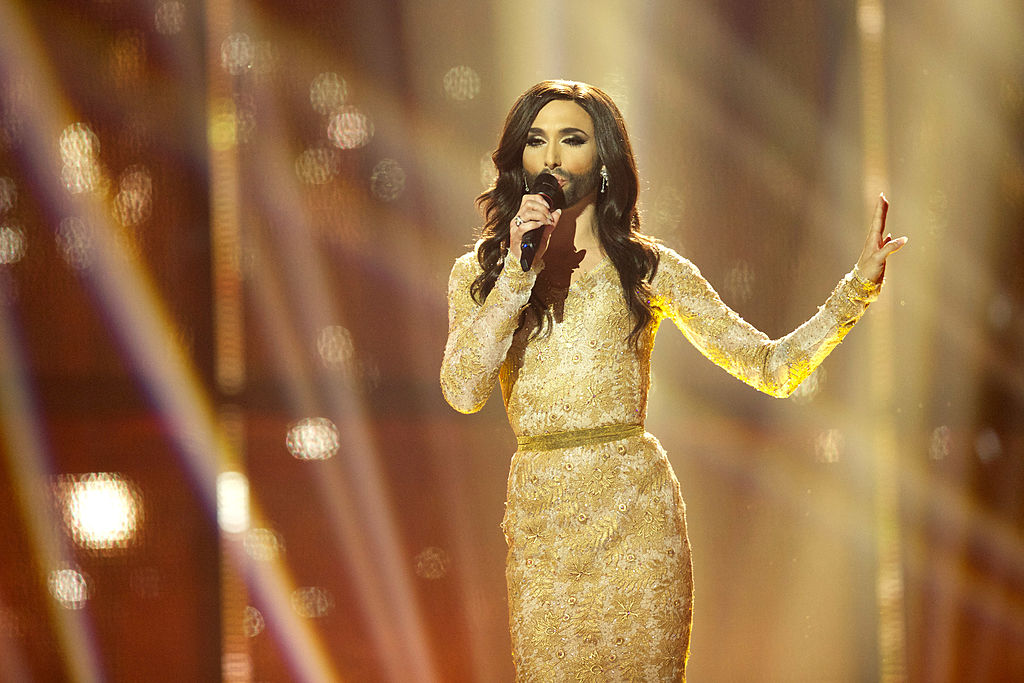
[598, 568]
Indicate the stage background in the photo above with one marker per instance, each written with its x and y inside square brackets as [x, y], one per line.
[226, 229]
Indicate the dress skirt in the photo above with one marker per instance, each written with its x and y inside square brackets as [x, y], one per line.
[600, 584]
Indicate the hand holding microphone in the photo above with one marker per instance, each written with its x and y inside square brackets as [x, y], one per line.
[543, 211]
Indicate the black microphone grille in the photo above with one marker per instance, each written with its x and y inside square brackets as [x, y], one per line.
[546, 185]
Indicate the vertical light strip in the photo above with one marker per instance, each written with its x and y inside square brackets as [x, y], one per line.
[23, 444]
[228, 324]
[889, 590]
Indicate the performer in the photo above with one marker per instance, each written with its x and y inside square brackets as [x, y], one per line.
[598, 568]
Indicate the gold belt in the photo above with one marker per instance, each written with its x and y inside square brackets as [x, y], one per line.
[578, 437]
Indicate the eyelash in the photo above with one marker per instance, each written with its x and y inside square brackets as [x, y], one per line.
[571, 141]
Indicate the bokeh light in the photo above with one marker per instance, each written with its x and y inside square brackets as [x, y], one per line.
[350, 128]
[828, 446]
[987, 445]
[263, 545]
[312, 602]
[387, 180]
[314, 438]
[253, 622]
[317, 166]
[810, 387]
[101, 510]
[233, 502]
[328, 93]
[169, 18]
[334, 344]
[75, 241]
[8, 195]
[941, 444]
[432, 563]
[237, 53]
[127, 58]
[461, 83]
[134, 200]
[70, 587]
[12, 244]
[488, 173]
[223, 125]
[739, 282]
[79, 150]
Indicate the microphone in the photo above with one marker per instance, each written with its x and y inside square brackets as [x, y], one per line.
[546, 185]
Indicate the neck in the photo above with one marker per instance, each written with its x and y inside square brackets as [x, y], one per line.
[577, 228]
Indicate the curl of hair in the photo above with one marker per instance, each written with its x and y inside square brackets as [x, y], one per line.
[633, 254]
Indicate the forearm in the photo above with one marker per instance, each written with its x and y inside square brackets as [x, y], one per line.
[479, 336]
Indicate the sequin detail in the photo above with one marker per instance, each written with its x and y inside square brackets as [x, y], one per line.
[598, 568]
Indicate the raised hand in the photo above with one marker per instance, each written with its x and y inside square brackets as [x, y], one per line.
[871, 265]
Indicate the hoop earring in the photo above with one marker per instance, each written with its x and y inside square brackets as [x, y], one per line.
[604, 179]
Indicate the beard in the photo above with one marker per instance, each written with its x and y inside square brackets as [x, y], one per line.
[575, 186]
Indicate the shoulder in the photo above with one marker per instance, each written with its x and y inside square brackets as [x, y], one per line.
[466, 268]
[671, 264]
[468, 261]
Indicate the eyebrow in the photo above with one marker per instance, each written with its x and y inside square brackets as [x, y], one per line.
[564, 131]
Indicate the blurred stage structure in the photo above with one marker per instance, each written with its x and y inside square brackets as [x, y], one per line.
[225, 233]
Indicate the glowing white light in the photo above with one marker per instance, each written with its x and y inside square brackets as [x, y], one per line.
[69, 587]
[75, 241]
[317, 166]
[461, 83]
[253, 622]
[828, 446]
[870, 18]
[312, 602]
[134, 200]
[232, 502]
[350, 128]
[941, 444]
[79, 149]
[387, 180]
[314, 438]
[12, 244]
[77, 141]
[8, 195]
[170, 18]
[237, 53]
[328, 93]
[101, 510]
[263, 544]
[432, 563]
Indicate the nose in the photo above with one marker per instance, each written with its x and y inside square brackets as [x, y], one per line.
[552, 159]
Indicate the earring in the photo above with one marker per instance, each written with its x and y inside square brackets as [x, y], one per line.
[604, 178]
[526, 187]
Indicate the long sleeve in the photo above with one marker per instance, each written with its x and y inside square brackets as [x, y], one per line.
[775, 367]
[479, 336]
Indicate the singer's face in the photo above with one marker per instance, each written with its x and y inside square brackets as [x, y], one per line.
[561, 140]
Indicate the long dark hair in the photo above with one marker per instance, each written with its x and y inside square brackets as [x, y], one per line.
[633, 254]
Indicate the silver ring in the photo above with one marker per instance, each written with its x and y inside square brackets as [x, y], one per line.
[519, 221]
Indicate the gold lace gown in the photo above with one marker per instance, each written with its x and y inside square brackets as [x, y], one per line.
[598, 568]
